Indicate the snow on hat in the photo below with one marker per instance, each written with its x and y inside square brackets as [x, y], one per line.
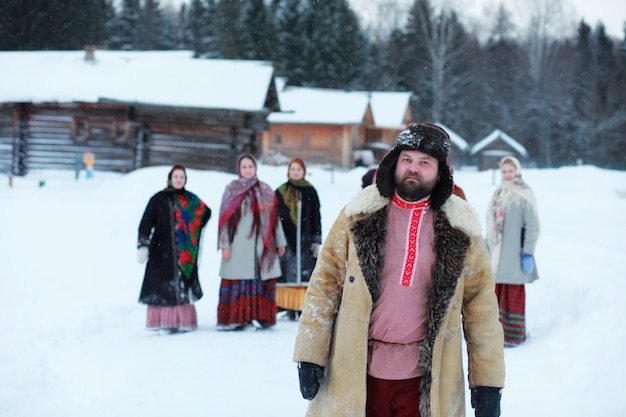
[424, 137]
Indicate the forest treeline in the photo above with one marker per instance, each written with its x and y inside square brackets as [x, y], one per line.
[564, 98]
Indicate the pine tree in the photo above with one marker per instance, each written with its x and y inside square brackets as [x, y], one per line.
[193, 21]
[290, 40]
[581, 91]
[334, 46]
[435, 45]
[154, 31]
[228, 28]
[258, 37]
[40, 24]
[606, 76]
[124, 26]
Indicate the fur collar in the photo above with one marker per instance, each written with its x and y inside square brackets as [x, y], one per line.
[458, 211]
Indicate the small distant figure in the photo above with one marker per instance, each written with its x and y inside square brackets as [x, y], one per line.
[89, 159]
[78, 165]
[368, 178]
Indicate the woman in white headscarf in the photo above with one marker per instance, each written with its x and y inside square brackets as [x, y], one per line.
[512, 233]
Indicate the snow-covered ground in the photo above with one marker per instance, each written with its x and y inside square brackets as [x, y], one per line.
[72, 335]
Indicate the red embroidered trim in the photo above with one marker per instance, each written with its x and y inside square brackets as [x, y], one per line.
[417, 209]
[410, 206]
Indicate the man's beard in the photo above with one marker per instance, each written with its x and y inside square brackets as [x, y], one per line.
[414, 191]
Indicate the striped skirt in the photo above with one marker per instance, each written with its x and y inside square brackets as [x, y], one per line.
[512, 302]
[181, 318]
[242, 301]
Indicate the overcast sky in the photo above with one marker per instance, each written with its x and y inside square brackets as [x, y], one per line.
[479, 13]
[611, 12]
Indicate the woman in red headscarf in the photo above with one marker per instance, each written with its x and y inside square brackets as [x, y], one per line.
[251, 239]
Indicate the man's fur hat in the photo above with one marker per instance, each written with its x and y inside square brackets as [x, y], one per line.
[423, 137]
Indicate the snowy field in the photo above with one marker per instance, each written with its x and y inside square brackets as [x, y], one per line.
[74, 344]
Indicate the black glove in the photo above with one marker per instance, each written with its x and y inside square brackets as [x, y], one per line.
[311, 376]
[486, 401]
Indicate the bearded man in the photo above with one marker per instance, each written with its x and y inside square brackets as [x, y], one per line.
[402, 272]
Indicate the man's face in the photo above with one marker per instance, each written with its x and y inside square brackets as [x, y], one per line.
[416, 175]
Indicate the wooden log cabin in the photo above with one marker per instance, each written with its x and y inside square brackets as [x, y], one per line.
[131, 109]
[334, 127]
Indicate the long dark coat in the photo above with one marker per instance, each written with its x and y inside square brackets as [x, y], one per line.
[164, 283]
[311, 232]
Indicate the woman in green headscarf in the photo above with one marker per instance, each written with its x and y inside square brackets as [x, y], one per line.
[299, 208]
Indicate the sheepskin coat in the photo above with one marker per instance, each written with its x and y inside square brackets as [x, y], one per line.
[333, 328]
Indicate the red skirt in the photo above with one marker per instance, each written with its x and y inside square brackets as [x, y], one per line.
[245, 300]
[512, 302]
[176, 318]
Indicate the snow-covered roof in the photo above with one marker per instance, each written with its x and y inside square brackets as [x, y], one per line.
[389, 108]
[455, 138]
[331, 106]
[495, 135]
[172, 78]
[318, 105]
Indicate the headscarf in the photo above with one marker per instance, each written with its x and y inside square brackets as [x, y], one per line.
[189, 211]
[291, 189]
[509, 192]
[263, 204]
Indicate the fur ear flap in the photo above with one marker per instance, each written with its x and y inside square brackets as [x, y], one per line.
[385, 176]
[444, 187]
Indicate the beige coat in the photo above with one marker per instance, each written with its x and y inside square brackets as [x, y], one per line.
[333, 330]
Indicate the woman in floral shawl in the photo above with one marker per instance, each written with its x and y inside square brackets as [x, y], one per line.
[512, 233]
[169, 239]
[251, 239]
